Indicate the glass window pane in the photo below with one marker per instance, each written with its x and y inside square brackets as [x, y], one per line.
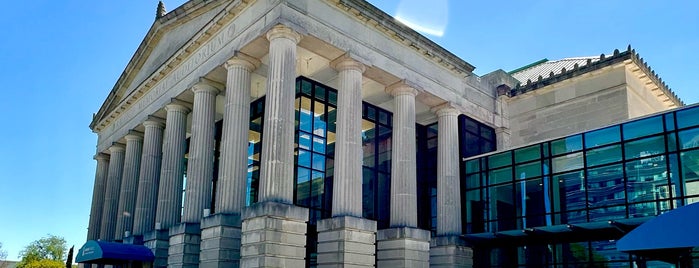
[474, 212]
[332, 98]
[305, 115]
[647, 180]
[690, 171]
[669, 122]
[689, 138]
[320, 92]
[306, 87]
[568, 192]
[602, 137]
[472, 181]
[370, 112]
[567, 162]
[645, 147]
[319, 162]
[384, 140]
[648, 208]
[383, 117]
[527, 154]
[304, 159]
[688, 117]
[566, 145]
[607, 213]
[473, 165]
[501, 208]
[318, 145]
[368, 143]
[604, 155]
[605, 186]
[500, 176]
[529, 196]
[469, 124]
[487, 132]
[303, 184]
[643, 127]
[304, 141]
[319, 124]
[499, 160]
[526, 171]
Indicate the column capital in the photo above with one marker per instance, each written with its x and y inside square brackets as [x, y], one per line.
[283, 31]
[117, 148]
[177, 106]
[101, 156]
[154, 122]
[133, 136]
[347, 62]
[241, 59]
[445, 109]
[207, 85]
[402, 88]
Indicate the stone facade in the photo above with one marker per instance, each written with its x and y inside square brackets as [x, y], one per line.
[207, 60]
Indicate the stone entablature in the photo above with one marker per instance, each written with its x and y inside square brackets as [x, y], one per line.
[238, 23]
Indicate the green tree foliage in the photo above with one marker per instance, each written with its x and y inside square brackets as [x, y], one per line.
[49, 252]
[3, 257]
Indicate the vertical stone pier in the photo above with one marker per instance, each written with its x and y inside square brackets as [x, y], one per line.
[274, 230]
[170, 184]
[220, 233]
[447, 248]
[347, 239]
[111, 192]
[185, 237]
[403, 244]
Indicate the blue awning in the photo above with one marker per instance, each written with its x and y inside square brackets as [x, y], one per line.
[100, 252]
[675, 229]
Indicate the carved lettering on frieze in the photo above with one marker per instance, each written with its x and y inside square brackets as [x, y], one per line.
[185, 68]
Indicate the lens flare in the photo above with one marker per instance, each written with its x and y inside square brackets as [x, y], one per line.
[428, 17]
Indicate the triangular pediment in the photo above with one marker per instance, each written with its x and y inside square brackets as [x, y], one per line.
[167, 35]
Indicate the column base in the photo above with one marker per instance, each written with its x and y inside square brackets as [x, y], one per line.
[450, 251]
[220, 241]
[184, 245]
[403, 247]
[158, 241]
[273, 235]
[134, 240]
[346, 242]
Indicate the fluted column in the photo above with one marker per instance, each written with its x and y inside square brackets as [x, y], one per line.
[111, 192]
[233, 167]
[448, 197]
[276, 183]
[403, 157]
[93, 229]
[200, 165]
[129, 184]
[347, 183]
[172, 167]
[149, 177]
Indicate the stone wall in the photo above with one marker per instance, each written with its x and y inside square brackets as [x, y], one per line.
[582, 103]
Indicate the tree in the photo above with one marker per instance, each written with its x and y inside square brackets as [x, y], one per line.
[46, 252]
[3, 257]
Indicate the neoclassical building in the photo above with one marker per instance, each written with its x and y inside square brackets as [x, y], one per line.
[304, 133]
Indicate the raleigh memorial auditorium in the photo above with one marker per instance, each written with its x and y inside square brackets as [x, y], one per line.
[324, 133]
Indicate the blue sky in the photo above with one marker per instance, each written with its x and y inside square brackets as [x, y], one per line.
[59, 60]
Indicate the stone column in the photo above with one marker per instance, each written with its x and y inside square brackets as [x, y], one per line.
[220, 234]
[274, 230]
[200, 165]
[111, 192]
[172, 167]
[347, 239]
[403, 244]
[129, 184]
[186, 236]
[149, 177]
[447, 249]
[93, 229]
[170, 184]
[502, 118]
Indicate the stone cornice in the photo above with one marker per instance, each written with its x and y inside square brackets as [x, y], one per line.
[384, 23]
[626, 57]
[109, 110]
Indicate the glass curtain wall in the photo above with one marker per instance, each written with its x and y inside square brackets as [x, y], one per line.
[637, 169]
